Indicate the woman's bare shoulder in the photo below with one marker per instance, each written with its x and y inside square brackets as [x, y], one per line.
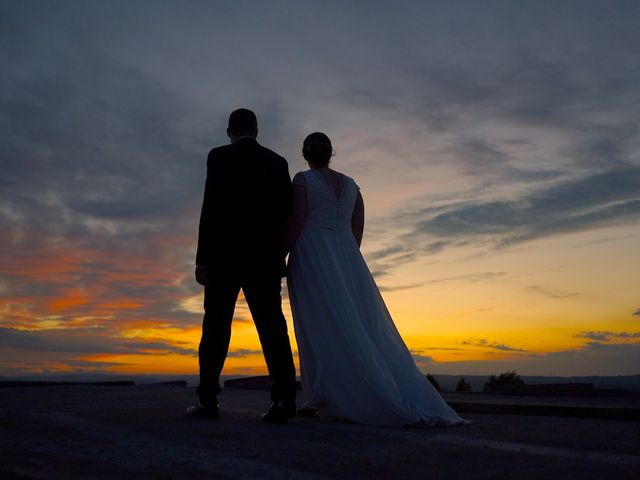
[299, 179]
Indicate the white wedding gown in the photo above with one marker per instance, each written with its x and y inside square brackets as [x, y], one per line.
[354, 364]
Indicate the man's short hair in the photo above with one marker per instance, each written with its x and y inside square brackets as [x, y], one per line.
[242, 120]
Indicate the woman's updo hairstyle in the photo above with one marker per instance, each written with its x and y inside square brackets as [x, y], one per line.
[317, 148]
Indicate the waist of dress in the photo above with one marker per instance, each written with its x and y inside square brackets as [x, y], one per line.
[335, 228]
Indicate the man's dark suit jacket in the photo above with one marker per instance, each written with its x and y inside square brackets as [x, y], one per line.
[247, 201]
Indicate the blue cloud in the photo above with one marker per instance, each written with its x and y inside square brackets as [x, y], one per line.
[595, 201]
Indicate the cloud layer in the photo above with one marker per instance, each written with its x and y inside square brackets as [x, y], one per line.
[470, 127]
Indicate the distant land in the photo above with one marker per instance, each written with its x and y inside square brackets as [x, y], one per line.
[627, 382]
[447, 382]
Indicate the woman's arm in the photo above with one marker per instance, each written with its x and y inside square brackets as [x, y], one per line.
[357, 219]
[298, 214]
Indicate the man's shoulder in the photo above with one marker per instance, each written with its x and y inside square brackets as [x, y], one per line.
[271, 154]
[276, 162]
[247, 150]
[219, 151]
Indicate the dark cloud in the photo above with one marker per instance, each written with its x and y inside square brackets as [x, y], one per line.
[594, 358]
[382, 261]
[469, 278]
[479, 158]
[552, 293]
[396, 288]
[109, 144]
[572, 206]
[466, 278]
[487, 101]
[603, 199]
[159, 346]
[83, 341]
[483, 342]
[103, 167]
[607, 336]
[419, 358]
[599, 358]
[434, 247]
[85, 365]
[243, 352]
[599, 241]
[443, 348]
[386, 252]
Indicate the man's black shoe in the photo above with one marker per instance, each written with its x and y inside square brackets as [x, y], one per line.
[308, 412]
[203, 411]
[280, 412]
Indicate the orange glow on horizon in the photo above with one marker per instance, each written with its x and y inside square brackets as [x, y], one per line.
[90, 292]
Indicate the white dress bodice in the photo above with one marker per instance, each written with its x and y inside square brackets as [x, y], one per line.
[325, 208]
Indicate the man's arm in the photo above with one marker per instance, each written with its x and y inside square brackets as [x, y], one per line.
[205, 227]
[298, 214]
[201, 275]
[357, 219]
[286, 202]
[287, 191]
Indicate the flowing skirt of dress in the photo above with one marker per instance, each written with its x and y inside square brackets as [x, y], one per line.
[354, 363]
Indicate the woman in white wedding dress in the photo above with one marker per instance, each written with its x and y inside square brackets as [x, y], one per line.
[354, 364]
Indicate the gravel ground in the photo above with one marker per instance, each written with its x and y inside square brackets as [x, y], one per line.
[141, 432]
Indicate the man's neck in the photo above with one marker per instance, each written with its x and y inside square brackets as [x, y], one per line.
[235, 139]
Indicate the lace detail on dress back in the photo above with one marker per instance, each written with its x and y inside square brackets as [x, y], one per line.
[325, 208]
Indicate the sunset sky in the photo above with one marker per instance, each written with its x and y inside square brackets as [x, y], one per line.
[497, 146]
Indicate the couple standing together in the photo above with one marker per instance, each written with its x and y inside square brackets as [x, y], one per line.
[354, 364]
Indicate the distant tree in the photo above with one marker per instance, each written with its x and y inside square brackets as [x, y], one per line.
[499, 383]
[463, 386]
[434, 382]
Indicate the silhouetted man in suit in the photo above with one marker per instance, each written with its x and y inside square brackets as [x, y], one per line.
[247, 201]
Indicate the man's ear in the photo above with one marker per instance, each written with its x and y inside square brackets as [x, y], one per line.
[228, 133]
[255, 133]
